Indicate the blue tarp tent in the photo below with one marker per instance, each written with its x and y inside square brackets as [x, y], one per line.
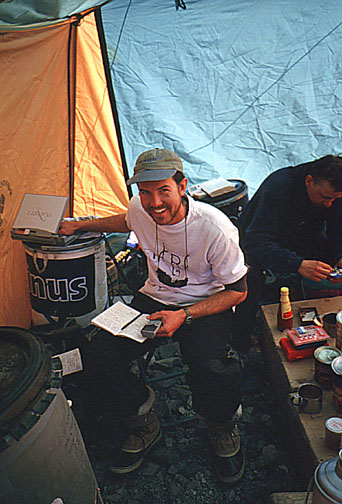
[236, 88]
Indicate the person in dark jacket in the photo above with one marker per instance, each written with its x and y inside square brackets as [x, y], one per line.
[292, 225]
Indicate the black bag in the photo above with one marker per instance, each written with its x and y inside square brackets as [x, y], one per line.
[131, 267]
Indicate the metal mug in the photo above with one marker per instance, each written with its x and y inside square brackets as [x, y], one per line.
[329, 324]
[308, 398]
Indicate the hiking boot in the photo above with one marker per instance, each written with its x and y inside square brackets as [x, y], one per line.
[144, 431]
[229, 458]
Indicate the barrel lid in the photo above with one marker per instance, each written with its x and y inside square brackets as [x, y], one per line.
[326, 354]
[334, 424]
[79, 244]
[336, 365]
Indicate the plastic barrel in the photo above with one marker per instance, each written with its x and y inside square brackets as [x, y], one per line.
[67, 283]
[42, 453]
[231, 203]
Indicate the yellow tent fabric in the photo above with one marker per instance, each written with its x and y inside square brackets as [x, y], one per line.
[34, 141]
[100, 187]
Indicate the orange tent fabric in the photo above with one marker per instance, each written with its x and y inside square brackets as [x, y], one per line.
[34, 140]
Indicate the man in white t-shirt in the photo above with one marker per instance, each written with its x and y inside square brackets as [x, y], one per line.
[196, 274]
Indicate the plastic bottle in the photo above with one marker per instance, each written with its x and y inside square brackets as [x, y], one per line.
[285, 315]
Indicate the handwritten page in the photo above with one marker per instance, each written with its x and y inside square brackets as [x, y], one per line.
[117, 316]
[71, 361]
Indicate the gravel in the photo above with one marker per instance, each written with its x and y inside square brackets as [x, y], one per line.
[178, 469]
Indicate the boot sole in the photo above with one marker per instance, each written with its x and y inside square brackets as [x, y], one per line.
[233, 479]
[137, 463]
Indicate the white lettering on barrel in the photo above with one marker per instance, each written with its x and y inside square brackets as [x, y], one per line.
[78, 289]
[37, 286]
[58, 290]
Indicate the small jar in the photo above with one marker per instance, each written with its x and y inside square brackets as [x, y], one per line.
[323, 356]
[339, 330]
[333, 433]
[336, 367]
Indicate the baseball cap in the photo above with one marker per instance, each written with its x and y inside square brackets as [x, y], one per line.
[156, 164]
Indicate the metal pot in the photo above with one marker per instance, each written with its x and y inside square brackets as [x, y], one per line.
[328, 482]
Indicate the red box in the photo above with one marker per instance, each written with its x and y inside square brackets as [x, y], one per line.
[308, 335]
[292, 353]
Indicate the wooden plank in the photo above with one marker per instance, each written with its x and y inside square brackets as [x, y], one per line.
[307, 429]
[290, 498]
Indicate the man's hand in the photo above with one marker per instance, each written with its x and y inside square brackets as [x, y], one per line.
[172, 320]
[68, 227]
[315, 270]
[338, 280]
[335, 281]
[112, 224]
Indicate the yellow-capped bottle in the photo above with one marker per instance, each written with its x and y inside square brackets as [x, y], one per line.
[285, 315]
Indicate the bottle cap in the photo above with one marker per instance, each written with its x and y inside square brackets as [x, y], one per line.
[284, 290]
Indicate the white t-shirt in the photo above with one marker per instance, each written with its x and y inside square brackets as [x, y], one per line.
[203, 247]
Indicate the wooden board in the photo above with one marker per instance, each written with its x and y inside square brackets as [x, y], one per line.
[310, 429]
[290, 498]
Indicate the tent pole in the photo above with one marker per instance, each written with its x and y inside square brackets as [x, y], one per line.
[72, 44]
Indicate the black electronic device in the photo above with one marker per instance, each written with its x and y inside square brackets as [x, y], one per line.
[150, 330]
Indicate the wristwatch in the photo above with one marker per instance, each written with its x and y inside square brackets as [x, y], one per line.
[188, 317]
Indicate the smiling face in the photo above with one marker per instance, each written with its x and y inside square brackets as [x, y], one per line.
[321, 193]
[163, 200]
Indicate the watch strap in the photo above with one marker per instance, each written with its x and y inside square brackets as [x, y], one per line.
[188, 317]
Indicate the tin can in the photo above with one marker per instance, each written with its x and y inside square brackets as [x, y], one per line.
[333, 433]
[323, 356]
[336, 367]
[339, 330]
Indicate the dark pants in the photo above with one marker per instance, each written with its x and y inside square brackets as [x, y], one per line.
[245, 313]
[215, 381]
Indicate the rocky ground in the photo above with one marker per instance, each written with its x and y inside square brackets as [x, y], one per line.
[178, 469]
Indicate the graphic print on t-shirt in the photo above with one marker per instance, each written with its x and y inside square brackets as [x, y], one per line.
[171, 267]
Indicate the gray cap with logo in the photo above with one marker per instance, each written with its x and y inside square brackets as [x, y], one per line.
[156, 164]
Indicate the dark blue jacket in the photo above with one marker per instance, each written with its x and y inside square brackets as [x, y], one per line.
[280, 226]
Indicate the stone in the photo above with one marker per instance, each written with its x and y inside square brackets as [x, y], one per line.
[269, 454]
[150, 469]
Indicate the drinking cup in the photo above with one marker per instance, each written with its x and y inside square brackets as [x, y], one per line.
[308, 398]
[329, 324]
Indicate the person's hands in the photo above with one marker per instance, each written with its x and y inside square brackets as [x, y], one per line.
[68, 227]
[338, 280]
[172, 320]
[335, 281]
[315, 270]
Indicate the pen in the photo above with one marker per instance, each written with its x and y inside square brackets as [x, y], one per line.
[130, 322]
